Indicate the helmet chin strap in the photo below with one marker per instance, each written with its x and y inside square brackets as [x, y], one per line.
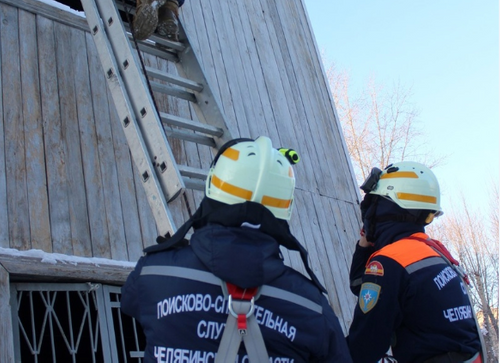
[420, 217]
[371, 213]
[424, 217]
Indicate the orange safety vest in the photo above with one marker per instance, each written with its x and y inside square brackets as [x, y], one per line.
[406, 251]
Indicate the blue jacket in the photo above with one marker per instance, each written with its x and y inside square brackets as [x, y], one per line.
[410, 298]
[185, 318]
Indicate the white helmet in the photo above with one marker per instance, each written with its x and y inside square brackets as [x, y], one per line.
[410, 185]
[252, 170]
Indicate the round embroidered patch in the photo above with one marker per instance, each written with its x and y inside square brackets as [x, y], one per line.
[374, 268]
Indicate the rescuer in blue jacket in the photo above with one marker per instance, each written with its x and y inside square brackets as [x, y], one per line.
[176, 291]
[411, 296]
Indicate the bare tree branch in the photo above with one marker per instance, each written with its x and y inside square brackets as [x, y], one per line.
[380, 127]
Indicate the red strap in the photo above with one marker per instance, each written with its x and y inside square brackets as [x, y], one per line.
[479, 359]
[439, 247]
[240, 293]
[242, 322]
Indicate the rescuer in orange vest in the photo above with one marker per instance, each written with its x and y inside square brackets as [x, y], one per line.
[412, 296]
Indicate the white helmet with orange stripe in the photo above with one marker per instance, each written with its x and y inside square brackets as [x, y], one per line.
[252, 170]
[410, 185]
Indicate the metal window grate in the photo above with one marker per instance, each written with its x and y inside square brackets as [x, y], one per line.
[72, 323]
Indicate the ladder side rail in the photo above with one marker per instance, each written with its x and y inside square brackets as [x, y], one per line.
[126, 114]
[154, 133]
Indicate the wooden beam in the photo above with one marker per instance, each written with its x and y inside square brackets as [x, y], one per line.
[52, 267]
[6, 337]
[50, 12]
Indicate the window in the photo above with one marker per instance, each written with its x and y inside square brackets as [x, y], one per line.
[73, 323]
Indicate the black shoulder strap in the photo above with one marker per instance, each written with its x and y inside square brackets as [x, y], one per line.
[165, 243]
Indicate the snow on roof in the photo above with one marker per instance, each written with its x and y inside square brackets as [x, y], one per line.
[55, 258]
[63, 7]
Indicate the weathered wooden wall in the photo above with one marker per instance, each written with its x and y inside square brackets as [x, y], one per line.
[67, 183]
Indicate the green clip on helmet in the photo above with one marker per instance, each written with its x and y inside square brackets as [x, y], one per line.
[410, 185]
[252, 170]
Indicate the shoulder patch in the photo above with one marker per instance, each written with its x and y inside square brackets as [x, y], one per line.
[368, 296]
[375, 268]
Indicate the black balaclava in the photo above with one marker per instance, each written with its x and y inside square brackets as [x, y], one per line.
[385, 222]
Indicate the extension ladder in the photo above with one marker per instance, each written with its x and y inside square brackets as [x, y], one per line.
[146, 128]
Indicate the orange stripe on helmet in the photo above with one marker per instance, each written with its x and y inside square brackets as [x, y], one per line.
[275, 202]
[417, 197]
[231, 189]
[231, 153]
[399, 174]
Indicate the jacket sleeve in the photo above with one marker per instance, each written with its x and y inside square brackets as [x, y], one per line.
[335, 346]
[378, 312]
[358, 265]
[129, 302]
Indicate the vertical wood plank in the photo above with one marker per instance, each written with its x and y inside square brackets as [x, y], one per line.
[93, 185]
[295, 41]
[124, 165]
[353, 213]
[229, 39]
[297, 229]
[33, 130]
[6, 332]
[295, 132]
[267, 56]
[309, 242]
[285, 23]
[328, 97]
[340, 184]
[15, 171]
[4, 219]
[115, 246]
[229, 107]
[348, 228]
[254, 73]
[335, 248]
[55, 151]
[78, 209]
[148, 225]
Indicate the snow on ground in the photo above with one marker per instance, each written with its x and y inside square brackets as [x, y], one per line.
[55, 258]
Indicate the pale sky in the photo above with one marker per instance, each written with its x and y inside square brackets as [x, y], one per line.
[447, 52]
